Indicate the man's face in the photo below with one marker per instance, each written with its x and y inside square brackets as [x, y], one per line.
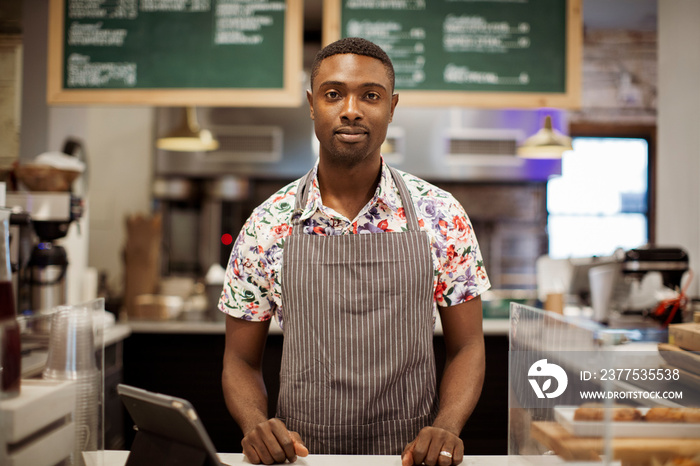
[351, 105]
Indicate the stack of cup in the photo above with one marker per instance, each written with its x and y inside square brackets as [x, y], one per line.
[602, 279]
[72, 357]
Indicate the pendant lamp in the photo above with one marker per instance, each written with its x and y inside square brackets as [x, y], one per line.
[547, 143]
[189, 136]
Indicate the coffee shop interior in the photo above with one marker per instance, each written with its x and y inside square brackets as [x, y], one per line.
[149, 230]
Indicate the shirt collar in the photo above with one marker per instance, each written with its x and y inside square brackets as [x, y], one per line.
[386, 193]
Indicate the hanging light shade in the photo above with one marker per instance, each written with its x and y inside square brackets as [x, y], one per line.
[189, 136]
[547, 143]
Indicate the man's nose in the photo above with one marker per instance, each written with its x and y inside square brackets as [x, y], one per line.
[351, 109]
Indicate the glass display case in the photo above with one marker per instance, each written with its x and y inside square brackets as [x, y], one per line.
[584, 393]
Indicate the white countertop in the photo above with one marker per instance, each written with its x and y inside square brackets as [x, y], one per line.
[118, 458]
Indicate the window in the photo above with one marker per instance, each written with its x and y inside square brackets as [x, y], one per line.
[601, 200]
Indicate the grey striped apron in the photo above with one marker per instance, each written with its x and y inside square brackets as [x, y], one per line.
[358, 369]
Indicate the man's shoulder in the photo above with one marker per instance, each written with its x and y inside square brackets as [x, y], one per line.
[419, 188]
[433, 204]
[279, 206]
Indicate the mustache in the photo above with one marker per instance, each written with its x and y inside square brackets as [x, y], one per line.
[351, 127]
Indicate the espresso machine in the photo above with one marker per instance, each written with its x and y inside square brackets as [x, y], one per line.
[664, 300]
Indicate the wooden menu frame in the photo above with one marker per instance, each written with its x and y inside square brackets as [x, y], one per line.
[290, 95]
[571, 98]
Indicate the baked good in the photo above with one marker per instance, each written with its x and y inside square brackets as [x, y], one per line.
[664, 414]
[589, 412]
[621, 413]
[676, 461]
[596, 412]
[626, 413]
[691, 414]
[683, 462]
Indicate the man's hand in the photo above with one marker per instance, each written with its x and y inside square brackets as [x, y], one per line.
[266, 440]
[433, 446]
[459, 390]
[270, 442]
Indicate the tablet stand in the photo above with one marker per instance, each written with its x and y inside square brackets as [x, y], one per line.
[149, 449]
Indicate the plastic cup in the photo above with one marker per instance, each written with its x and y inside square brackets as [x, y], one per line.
[602, 283]
[72, 356]
[71, 344]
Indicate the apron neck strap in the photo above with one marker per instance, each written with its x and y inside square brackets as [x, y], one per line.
[303, 189]
[408, 207]
[305, 186]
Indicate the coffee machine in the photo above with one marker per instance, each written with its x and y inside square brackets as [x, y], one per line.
[663, 301]
[44, 204]
[41, 273]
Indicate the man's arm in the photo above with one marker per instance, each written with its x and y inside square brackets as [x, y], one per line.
[460, 388]
[265, 440]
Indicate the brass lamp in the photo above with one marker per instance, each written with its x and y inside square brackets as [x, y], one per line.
[189, 136]
[547, 143]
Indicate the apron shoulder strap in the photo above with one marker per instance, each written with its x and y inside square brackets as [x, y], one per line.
[408, 207]
[302, 195]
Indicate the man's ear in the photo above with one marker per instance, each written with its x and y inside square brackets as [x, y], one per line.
[394, 102]
[310, 98]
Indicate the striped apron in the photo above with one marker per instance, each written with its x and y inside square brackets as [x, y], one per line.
[358, 369]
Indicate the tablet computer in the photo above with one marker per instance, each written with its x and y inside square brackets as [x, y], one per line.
[169, 430]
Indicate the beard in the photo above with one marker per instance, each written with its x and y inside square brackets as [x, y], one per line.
[349, 155]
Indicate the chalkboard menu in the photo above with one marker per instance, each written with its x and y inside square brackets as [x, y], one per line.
[479, 53]
[175, 52]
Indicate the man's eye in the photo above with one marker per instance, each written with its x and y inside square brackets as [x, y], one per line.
[332, 95]
[373, 96]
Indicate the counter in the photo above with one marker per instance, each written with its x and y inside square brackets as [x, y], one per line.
[118, 458]
[491, 327]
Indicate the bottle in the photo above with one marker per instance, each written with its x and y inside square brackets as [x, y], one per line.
[10, 345]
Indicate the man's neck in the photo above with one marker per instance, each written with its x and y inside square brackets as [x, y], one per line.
[348, 189]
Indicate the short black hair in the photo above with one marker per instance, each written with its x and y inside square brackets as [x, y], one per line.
[356, 46]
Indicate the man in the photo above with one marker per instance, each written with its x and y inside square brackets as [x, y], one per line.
[353, 259]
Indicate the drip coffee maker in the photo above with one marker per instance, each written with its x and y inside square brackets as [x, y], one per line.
[50, 207]
[45, 272]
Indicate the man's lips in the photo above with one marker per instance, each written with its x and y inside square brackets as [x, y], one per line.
[350, 133]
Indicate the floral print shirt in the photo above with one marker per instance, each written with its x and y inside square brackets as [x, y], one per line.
[252, 287]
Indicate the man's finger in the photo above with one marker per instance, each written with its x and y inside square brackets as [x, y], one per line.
[458, 454]
[421, 444]
[285, 440]
[432, 456]
[445, 456]
[299, 447]
[407, 458]
[251, 454]
[263, 454]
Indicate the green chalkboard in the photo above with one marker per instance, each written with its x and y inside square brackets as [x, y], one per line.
[175, 51]
[523, 53]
